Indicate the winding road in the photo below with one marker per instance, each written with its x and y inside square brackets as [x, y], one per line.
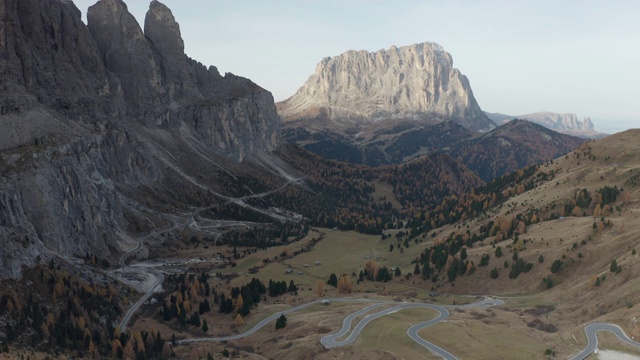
[159, 279]
[191, 221]
[331, 340]
[592, 330]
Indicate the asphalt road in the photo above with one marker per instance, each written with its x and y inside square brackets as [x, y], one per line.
[331, 340]
[591, 331]
[136, 306]
[273, 317]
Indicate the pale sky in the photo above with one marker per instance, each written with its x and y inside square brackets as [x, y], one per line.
[520, 56]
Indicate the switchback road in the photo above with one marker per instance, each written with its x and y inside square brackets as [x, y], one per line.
[592, 330]
[331, 340]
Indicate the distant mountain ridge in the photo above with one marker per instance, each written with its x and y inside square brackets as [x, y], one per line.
[512, 146]
[567, 123]
[509, 147]
[357, 88]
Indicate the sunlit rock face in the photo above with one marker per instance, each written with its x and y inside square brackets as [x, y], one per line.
[412, 82]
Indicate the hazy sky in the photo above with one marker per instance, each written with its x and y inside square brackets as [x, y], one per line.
[520, 56]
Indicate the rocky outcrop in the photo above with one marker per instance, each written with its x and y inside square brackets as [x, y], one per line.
[412, 82]
[93, 115]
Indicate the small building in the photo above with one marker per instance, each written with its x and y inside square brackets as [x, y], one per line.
[288, 271]
[300, 273]
[325, 302]
[317, 262]
[306, 265]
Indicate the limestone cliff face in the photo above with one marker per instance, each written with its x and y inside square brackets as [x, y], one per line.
[557, 121]
[417, 81]
[86, 115]
[164, 87]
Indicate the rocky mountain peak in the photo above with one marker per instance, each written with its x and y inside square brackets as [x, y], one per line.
[164, 87]
[88, 114]
[162, 29]
[125, 51]
[555, 121]
[416, 81]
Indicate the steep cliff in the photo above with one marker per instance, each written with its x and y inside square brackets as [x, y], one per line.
[93, 115]
[410, 82]
[164, 87]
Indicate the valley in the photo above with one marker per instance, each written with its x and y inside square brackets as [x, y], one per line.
[539, 311]
[151, 207]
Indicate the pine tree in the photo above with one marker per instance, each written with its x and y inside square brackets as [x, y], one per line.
[498, 251]
[281, 322]
[292, 287]
[333, 280]
[205, 326]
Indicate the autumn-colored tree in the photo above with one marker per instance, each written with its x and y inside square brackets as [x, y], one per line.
[91, 349]
[448, 263]
[344, 284]
[371, 267]
[597, 211]
[116, 332]
[576, 211]
[193, 292]
[320, 288]
[239, 302]
[187, 306]
[129, 353]
[116, 346]
[239, 321]
[137, 338]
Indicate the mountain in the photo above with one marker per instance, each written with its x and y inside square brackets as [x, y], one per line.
[359, 88]
[509, 147]
[512, 146]
[94, 115]
[395, 105]
[112, 134]
[564, 123]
